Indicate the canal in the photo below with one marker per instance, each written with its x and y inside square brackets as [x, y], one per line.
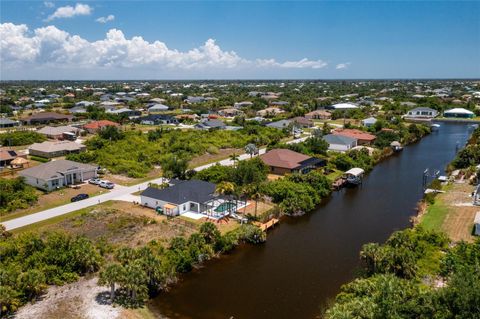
[301, 267]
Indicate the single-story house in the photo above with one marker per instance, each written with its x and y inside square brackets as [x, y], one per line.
[270, 111]
[49, 149]
[302, 122]
[282, 161]
[318, 115]
[363, 138]
[59, 173]
[192, 196]
[192, 117]
[340, 143]
[243, 104]
[158, 108]
[369, 122]
[125, 111]
[6, 157]
[422, 112]
[47, 117]
[156, 119]
[57, 132]
[85, 103]
[342, 106]
[459, 112]
[95, 126]
[5, 123]
[211, 124]
[280, 124]
[78, 110]
[229, 112]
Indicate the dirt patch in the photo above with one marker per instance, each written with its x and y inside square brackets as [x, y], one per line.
[125, 180]
[79, 300]
[125, 224]
[458, 223]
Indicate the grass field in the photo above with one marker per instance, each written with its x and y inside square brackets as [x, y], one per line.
[452, 212]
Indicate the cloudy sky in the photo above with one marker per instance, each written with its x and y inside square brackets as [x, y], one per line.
[230, 40]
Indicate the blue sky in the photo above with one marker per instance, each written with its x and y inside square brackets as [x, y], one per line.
[197, 40]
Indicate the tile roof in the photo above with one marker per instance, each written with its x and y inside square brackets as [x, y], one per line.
[100, 124]
[357, 134]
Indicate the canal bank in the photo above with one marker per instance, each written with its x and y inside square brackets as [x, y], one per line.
[307, 259]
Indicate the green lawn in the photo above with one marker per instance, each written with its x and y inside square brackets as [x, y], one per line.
[436, 213]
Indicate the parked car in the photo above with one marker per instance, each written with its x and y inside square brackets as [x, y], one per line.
[78, 197]
[94, 181]
[106, 184]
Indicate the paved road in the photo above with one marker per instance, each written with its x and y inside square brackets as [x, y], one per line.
[118, 193]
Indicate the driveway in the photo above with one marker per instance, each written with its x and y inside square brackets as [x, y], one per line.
[118, 193]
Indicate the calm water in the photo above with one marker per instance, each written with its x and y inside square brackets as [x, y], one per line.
[307, 259]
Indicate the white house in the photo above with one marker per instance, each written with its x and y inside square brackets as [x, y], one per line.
[56, 174]
[422, 112]
[340, 143]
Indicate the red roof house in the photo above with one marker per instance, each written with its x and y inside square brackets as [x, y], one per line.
[363, 138]
[282, 161]
[95, 126]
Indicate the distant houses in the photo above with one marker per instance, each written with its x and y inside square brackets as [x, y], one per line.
[368, 122]
[157, 119]
[283, 161]
[211, 124]
[318, 115]
[58, 132]
[342, 106]
[7, 123]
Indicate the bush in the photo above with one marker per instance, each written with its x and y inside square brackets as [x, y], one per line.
[39, 159]
[15, 194]
[18, 138]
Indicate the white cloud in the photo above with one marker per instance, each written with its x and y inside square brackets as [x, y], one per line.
[106, 19]
[50, 47]
[49, 4]
[342, 66]
[69, 11]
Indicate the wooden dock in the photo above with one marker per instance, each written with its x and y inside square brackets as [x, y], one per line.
[339, 183]
[265, 226]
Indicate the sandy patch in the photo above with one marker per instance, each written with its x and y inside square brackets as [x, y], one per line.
[73, 301]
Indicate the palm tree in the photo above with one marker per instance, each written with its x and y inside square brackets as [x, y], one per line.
[251, 149]
[253, 191]
[225, 188]
[234, 158]
[111, 275]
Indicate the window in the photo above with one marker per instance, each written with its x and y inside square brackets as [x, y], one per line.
[184, 207]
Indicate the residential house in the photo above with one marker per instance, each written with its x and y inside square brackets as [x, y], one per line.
[340, 143]
[47, 117]
[157, 119]
[6, 157]
[459, 112]
[59, 173]
[319, 115]
[6, 123]
[57, 132]
[369, 121]
[342, 106]
[229, 112]
[50, 149]
[283, 161]
[270, 111]
[95, 126]
[302, 122]
[191, 117]
[125, 111]
[78, 110]
[243, 104]
[362, 137]
[211, 124]
[158, 108]
[85, 103]
[422, 113]
[280, 124]
[181, 197]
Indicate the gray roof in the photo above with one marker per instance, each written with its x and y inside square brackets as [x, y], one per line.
[370, 120]
[183, 191]
[57, 146]
[422, 109]
[211, 124]
[338, 139]
[58, 130]
[55, 169]
[280, 124]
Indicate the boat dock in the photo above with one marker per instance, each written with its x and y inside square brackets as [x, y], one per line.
[265, 226]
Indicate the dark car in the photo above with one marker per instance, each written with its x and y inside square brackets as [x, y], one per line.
[79, 197]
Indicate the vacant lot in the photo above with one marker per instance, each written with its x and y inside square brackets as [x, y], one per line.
[54, 199]
[453, 212]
